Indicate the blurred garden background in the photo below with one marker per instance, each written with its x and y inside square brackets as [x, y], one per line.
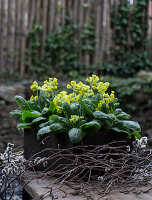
[71, 39]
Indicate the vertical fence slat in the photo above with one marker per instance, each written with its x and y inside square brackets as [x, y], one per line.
[104, 21]
[80, 11]
[22, 62]
[16, 39]
[8, 33]
[87, 18]
[1, 34]
[63, 12]
[97, 12]
[75, 11]
[37, 15]
[52, 14]
[44, 24]
[31, 14]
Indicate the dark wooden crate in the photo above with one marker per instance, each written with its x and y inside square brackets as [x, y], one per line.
[41, 147]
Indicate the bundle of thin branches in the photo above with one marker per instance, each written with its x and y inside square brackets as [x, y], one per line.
[102, 166]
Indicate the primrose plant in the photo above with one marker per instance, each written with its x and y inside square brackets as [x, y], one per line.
[82, 109]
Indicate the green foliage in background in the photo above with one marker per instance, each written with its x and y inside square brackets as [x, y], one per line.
[135, 94]
[130, 25]
[60, 48]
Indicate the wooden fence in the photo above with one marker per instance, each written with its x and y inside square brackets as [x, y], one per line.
[19, 16]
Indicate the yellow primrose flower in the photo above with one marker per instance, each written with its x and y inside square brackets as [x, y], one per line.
[75, 118]
[32, 98]
[68, 86]
[34, 86]
[73, 83]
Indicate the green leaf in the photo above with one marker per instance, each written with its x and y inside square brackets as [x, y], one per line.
[63, 121]
[21, 103]
[16, 113]
[67, 110]
[43, 131]
[29, 116]
[111, 117]
[132, 125]
[118, 111]
[56, 128]
[24, 125]
[46, 123]
[119, 130]
[123, 116]
[76, 135]
[38, 119]
[75, 108]
[87, 109]
[136, 134]
[42, 100]
[100, 115]
[92, 126]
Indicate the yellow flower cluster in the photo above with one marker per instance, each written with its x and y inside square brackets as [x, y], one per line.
[93, 80]
[64, 97]
[81, 89]
[32, 98]
[75, 118]
[59, 99]
[99, 86]
[50, 85]
[107, 99]
[47, 87]
[34, 86]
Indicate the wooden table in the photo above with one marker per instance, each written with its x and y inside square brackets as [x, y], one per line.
[38, 187]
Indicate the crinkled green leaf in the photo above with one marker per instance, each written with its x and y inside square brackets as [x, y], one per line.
[123, 116]
[92, 126]
[16, 113]
[67, 110]
[24, 125]
[87, 109]
[21, 102]
[100, 115]
[41, 100]
[119, 130]
[111, 117]
[38, 119]
[76, 135]
[63, 121]
[46, 123]
[118, 111]
[56, 128]
[137, 134]
[29, 116]
[131, 125]
[43, 131]
[75, 108]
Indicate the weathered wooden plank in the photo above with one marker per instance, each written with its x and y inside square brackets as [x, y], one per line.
[38, 187]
